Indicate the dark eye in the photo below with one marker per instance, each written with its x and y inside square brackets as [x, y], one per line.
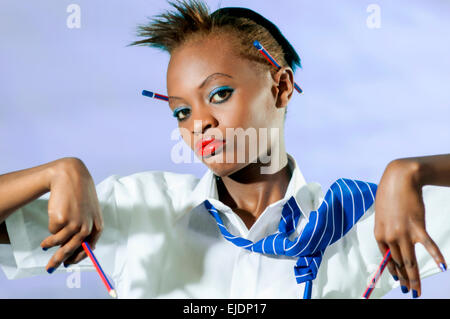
[181, 113]
[222, 95]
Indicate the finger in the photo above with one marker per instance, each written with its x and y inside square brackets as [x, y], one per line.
[390, 264]
[95, 234]
[60, 237]
[65, 251]
[81, 254]
[98, 222]
[54, 227]
[411, 267]
[432, 249]
[57, 220]
[78, 255]
[397, 259]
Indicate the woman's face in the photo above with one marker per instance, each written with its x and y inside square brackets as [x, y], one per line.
[216, 94]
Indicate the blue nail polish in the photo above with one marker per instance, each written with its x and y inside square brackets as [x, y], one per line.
[44, 248]
[443, 267]
[50, 270]
[395, 277]
[404, 289]
[414, 294]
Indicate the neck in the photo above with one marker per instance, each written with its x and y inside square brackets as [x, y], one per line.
[248, 192]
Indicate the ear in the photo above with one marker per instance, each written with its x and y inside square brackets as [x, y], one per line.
[283, 86]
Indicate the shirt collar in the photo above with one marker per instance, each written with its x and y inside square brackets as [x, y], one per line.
[207, 189]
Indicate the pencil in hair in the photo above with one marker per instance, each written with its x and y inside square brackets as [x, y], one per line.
[269, 58]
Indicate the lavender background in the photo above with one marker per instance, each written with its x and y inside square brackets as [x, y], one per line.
[371, 95]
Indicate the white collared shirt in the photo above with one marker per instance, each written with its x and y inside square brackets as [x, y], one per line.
[159, 241]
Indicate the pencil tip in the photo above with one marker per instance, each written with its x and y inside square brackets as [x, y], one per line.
[112, 293]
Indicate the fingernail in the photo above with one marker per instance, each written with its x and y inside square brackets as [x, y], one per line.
[395, 277]
[404, 289]
[50, 270]
[442, 266]
[44, 248]
[66, 265]
[415, 294]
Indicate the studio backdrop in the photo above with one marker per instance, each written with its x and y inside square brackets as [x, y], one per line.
[376, 79]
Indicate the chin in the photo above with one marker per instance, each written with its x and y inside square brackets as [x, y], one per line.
[225, 169]
[222, 165]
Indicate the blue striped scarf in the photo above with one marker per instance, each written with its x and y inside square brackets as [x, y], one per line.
[344, 204]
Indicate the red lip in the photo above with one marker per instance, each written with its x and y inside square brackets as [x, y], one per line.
[208, 145]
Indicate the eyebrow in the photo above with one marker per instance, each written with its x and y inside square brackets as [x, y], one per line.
[208, 78]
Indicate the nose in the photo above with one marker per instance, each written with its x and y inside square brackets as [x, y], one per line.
[203, 120]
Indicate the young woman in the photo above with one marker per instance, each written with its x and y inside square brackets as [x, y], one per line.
[154, 233]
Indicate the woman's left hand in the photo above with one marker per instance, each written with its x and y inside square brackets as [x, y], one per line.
[400, 223]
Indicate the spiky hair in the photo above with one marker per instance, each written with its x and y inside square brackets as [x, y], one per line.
[192, 19]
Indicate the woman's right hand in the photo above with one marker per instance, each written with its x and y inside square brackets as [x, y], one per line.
[74, 213]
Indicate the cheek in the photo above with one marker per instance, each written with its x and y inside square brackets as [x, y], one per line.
[247, 111]
[239, 117]
[258, 111]
[186, 136]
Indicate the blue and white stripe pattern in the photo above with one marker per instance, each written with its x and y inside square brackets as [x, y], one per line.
[344, 204]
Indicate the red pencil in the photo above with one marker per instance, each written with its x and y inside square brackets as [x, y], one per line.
[377, 275]
[260, 48]
[105, 280]
[272, 61]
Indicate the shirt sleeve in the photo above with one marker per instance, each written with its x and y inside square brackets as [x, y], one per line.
[349, 264]
[28, 226]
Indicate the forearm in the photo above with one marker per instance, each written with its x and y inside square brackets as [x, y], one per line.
[428, 170]
[21, 187]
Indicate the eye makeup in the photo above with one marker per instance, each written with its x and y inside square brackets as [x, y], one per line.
[258, 46]
[179, 110]
[182, 109]
[219, 90]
